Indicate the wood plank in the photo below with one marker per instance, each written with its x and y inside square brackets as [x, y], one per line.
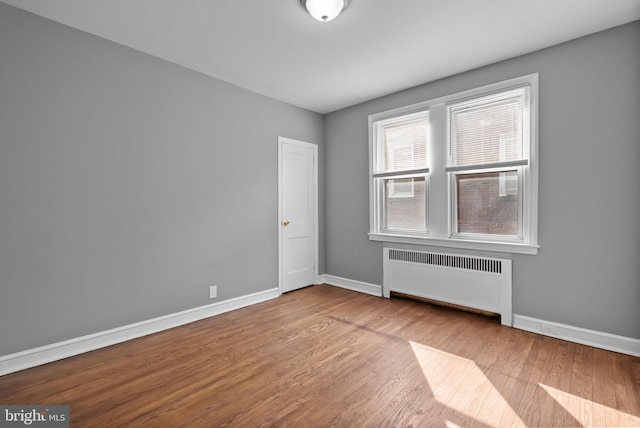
[627, 394]
[502, 366]
[561, 414]
[604, 396]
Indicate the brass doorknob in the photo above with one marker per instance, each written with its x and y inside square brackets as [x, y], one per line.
[286, 223]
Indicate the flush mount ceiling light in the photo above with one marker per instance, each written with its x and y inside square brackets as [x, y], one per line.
[325, 10]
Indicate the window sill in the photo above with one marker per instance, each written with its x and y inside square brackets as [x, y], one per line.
[504, 247]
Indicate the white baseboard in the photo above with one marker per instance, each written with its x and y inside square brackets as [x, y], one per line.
[349, 284]
[597, 339]
[57, 351]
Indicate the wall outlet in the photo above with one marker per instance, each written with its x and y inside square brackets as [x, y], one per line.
[213, 291]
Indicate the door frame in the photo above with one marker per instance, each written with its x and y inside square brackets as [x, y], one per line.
[314, 148]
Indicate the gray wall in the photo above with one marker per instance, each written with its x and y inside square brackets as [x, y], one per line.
[128, 185]
[587, 272]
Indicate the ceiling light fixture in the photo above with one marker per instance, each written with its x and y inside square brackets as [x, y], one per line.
[325, 10]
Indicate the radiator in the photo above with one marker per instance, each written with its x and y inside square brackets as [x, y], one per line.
[475, 282]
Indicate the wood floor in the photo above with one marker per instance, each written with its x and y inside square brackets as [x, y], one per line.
[328, 357]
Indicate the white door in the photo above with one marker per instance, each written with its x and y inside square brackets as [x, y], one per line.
[298, 230]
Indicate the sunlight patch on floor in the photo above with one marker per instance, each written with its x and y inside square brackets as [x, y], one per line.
[459, 384]
[590, 413]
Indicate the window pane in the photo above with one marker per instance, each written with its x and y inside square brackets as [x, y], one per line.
[405, 204]
[487, 203]
[404, 144]
[488, 130]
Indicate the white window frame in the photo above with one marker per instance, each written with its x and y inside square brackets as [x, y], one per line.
[441, 184]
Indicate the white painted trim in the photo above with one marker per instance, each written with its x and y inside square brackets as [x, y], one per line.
[608, 341]
[79, 345]
[350, 284]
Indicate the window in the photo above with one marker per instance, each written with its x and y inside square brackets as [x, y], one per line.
[400, 172]
[486, 150]
[458, 171]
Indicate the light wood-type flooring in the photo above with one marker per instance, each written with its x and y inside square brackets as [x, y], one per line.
[328, 357]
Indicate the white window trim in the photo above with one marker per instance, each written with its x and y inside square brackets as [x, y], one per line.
[439, 220]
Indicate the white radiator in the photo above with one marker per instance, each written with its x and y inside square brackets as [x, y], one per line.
[474, 282]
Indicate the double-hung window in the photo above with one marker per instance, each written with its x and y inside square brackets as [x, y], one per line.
[401, 174]
[458, 171]
[487, 155]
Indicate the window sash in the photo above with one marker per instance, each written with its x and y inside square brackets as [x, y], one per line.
[387, 160]
[480, 127]
[518, 237]
[383, 216]
[487, 166]
[402, 174]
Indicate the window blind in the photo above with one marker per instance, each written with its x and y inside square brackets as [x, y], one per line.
[489, 131]
[404, 145]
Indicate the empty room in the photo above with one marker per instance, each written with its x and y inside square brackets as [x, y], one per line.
[320, 213]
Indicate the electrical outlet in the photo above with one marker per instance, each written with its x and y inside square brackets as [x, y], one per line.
[213, 291]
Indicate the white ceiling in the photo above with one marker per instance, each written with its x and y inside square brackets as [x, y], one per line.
[374, 48]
